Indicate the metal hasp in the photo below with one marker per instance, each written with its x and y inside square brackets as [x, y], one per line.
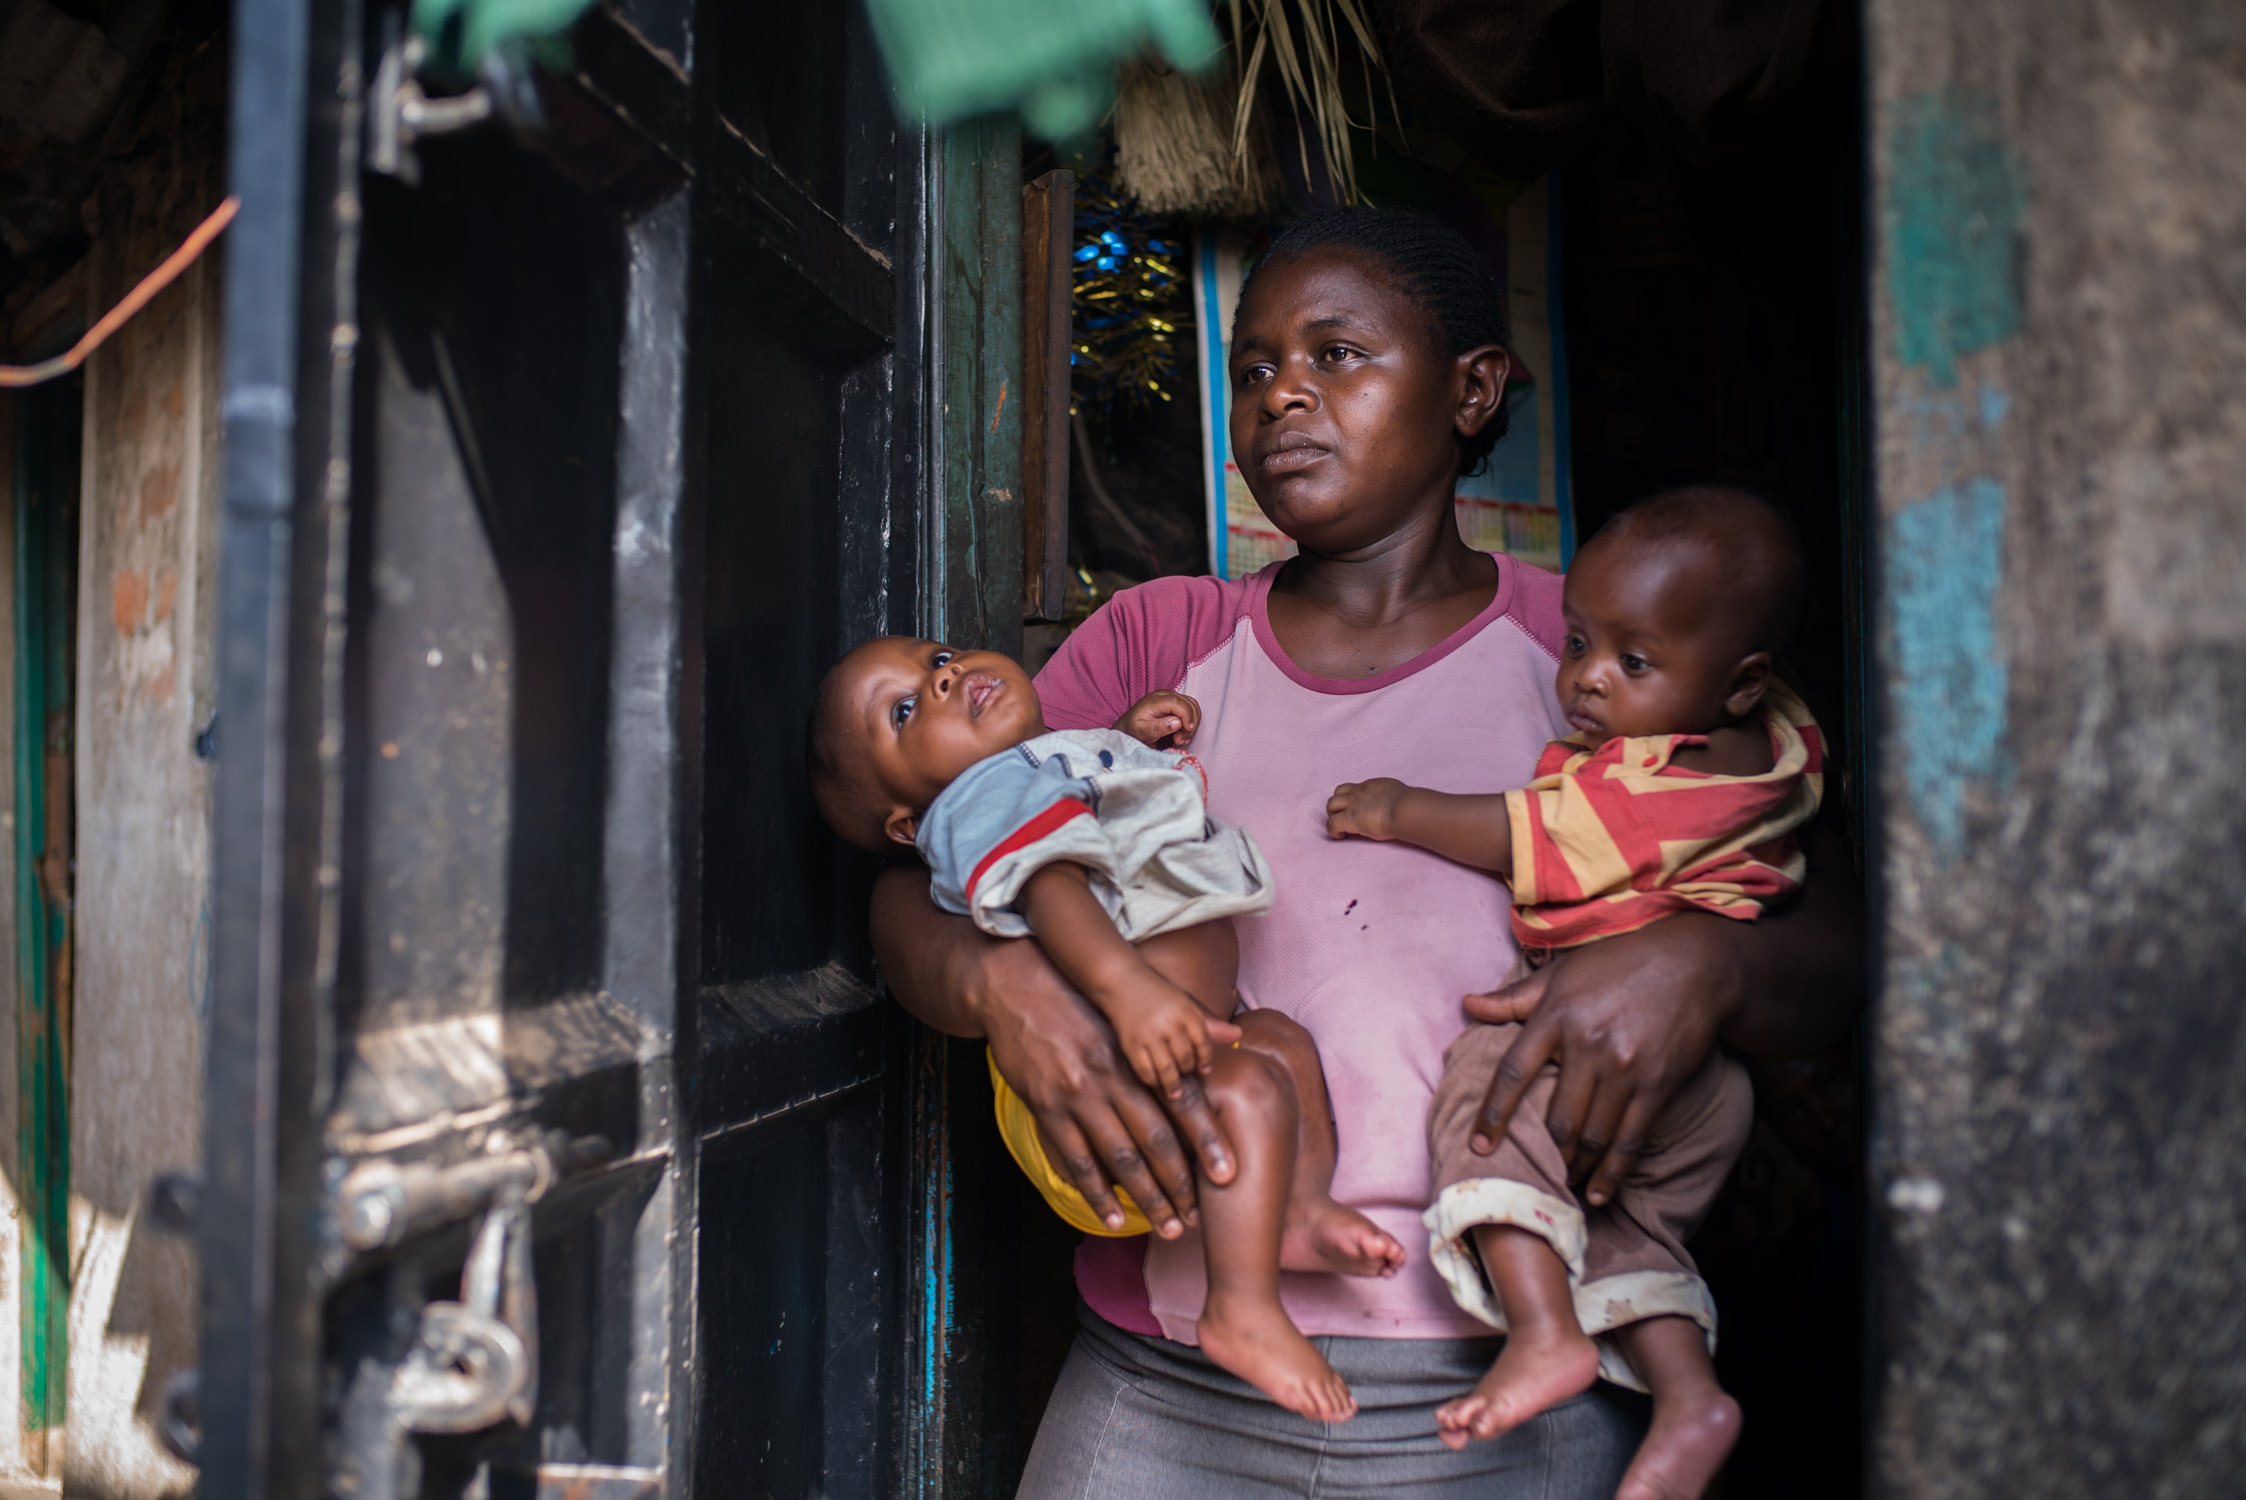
[381, 1205]
[471, 1364]
[474, 1362]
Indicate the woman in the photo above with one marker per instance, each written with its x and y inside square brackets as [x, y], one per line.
[1368, 370]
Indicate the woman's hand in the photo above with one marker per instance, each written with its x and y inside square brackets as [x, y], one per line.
[1106, 1129]
[1627, 1019]
[1630, 1018]
[1056, 1051]
[1162, 721]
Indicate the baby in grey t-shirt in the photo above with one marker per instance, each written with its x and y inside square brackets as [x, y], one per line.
[1099, 845]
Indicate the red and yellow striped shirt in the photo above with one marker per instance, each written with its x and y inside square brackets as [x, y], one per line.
[1612, 836]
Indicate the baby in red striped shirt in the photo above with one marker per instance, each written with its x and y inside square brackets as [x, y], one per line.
[1690, 768]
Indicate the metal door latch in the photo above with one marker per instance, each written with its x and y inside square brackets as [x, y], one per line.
[379, 1205]
[475, 1362]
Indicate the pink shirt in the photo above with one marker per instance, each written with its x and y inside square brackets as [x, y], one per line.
[1369, 946]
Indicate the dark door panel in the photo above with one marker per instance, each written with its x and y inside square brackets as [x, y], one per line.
[771, 570]
[561, 1142]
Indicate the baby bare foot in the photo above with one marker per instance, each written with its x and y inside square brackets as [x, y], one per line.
[1691, 1436]
[1536, 1371]
[1321, 1235]
[1256, 1341]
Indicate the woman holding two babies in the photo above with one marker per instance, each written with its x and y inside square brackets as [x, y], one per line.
[1368, 371]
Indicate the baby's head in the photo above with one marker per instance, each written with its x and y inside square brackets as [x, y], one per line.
[1675, 611]
[898, 720]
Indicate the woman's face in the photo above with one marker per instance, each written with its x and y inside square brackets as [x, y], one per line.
[1345, 415]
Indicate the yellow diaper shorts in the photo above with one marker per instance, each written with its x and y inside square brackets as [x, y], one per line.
[1018, 1127]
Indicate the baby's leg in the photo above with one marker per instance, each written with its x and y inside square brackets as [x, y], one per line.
[1694, 1422]
[1508, 1226]
[1636, 1264]
[1243, 1327]
[1547, 1357]
[1321, 1234]
[1204, 961]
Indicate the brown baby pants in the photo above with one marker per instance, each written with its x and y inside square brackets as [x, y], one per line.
[1627, 1259]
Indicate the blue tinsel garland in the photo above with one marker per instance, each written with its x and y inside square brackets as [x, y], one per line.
[1133, 302]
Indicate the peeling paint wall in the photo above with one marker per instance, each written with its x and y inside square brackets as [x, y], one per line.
[2060, 346]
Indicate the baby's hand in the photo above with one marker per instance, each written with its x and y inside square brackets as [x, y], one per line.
[1364, 808]
[1162, 721]
[1163, 1032]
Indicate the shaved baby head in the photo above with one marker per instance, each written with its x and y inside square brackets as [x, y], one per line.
[1743, 535]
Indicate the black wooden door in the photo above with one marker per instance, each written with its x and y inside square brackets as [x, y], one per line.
[558, 1143]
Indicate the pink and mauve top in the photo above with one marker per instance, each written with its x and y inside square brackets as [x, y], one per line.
[1369, 946]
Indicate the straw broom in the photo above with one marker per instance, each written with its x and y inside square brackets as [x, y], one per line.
[1203, 148]
[1175, 151]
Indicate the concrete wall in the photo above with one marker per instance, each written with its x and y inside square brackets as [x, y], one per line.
[2060, 336]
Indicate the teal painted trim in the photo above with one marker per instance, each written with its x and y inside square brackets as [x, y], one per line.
[976, 593]
[1954, 198]
[1945, 566]
[971, 595]
[46, 508]
[1216, 429]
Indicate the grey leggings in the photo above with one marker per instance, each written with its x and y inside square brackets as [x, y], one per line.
[1144, 1419]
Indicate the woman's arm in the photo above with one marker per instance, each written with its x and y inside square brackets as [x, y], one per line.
[1054, 1049]
[1630, 1018]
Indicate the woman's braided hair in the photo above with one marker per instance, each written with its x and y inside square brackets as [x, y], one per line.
[1439, 270]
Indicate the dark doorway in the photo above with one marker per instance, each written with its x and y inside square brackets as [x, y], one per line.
[1714, 324]
[1713, 317]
